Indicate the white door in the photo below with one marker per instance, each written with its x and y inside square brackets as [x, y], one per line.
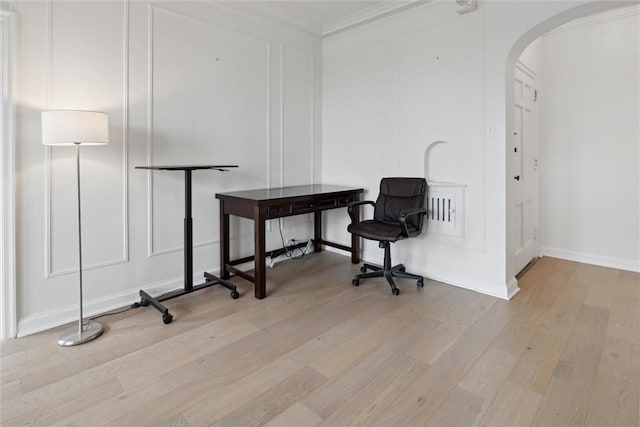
[523, 167]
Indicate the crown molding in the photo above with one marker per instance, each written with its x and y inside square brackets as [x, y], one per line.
[612, 15]
[261, 10]
[370, 14]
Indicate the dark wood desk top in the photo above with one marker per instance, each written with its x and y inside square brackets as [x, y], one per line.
[187, 167]
[274, 194]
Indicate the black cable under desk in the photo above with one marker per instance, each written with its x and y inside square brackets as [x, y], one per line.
[210, 279]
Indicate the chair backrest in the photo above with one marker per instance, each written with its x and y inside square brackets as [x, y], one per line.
[397, 195]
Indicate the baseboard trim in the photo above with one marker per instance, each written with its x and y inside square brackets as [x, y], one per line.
[504, 291]
[604, 261]
[58, 317]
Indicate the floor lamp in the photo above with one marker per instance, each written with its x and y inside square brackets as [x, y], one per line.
[76, 128]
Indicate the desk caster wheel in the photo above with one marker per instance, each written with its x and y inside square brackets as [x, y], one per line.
[235, 294]
[420, 283]
[363, 269]
[395, 291]
[167, 318]
[355, 282]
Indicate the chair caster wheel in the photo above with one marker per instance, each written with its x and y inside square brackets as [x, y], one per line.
[395, 291]
[355, 282]
[167, 318]
[235, 294]
[363, 269]
[402, 269]
[420, 283]
[144, 302]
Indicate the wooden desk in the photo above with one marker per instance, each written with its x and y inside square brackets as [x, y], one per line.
[261, 205]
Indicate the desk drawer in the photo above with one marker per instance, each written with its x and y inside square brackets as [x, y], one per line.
[344, 201]
[312, 206]
[278, 211]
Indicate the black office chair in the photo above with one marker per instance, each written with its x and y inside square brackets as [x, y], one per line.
[398, 214]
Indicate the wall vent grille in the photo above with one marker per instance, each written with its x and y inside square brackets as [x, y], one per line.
[445, 208]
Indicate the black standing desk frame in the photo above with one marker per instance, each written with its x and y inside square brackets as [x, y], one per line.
[210, 279]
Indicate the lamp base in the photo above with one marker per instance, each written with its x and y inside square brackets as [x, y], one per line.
[90, 331]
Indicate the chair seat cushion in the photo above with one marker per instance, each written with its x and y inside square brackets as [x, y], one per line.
[377, 230]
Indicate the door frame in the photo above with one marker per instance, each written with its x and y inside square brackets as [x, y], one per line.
[8, 305]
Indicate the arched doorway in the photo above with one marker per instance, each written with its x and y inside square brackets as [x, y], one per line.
[516, 215]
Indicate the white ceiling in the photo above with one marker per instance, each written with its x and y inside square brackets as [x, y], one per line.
[322, 17]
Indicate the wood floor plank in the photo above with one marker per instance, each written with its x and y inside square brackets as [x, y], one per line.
[437, 342]
[616, 391]
[321, 352]
[420, 400]
[460, 408]
[370, 402]
[186, 351]
[538, 362]
[303, 329]
[296, 415]
[568, 397]
[177, 420]
[135, 339]
[486, 378]
[541, 288]
[536, 365]
[624, 323]
[627, 290]
[57, 409]
[380, 331]
[229, 364]
[513, 406]
[178, 392]
[275, 400]
[328, 398]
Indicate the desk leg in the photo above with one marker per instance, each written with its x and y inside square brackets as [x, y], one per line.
[317, 231]
[260, 254]
[188, 234]
[224, 242]
[355, 240]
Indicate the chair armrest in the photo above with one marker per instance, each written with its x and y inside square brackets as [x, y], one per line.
[408, 213]
[352, 205]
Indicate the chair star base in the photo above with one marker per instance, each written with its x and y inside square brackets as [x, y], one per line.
[387, 271]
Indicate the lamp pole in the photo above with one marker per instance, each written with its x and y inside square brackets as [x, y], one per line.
[80, 320]
[92, 329]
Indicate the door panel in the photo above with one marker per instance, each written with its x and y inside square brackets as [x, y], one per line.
[523, 187]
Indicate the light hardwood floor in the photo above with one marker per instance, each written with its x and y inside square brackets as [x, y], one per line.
[320, 352]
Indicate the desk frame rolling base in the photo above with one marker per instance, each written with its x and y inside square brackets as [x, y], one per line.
[211, 280]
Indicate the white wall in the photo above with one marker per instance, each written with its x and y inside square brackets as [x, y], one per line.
[393, 87]
[208, 73]
[589, 117]
[183, 82]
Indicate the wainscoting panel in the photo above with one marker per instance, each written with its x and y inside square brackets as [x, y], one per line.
[208, 104]
[298, 123]
[83, 39]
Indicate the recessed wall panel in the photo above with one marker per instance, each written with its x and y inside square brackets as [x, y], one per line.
[87, 71]
[298, 120]
[209, 93]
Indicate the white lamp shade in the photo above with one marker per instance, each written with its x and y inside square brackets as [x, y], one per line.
[69, 127]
